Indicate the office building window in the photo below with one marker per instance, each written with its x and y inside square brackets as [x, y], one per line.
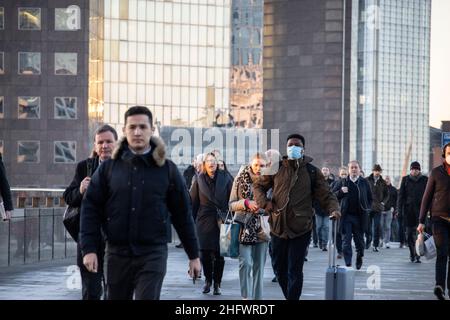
[2, 115]
[29, 19]
[1, 147]
[2, 63]
[65, 108]
[65, 63]
[29, 107]
[29, 63]
[28, 151]
[2, 18]
[67, 19]
[65, 152]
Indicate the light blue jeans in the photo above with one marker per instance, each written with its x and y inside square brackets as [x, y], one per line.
[322, 227]
[386, 220]
[252, 259]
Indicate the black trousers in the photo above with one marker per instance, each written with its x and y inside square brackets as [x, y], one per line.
[441, 235]
[288, 258]
[139, 275]
[411, 237]
[91, 283]
[213, 265]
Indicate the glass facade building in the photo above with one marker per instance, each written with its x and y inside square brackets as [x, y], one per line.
[390, 84]
[247, 71]
[171, 56]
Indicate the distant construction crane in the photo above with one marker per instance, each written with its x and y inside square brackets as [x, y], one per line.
[406, 161]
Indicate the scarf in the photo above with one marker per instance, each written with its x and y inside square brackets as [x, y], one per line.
[249, 232]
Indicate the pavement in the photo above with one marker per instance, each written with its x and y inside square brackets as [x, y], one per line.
[385, 275]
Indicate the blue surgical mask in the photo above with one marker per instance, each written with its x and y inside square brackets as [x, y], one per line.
[295, 152]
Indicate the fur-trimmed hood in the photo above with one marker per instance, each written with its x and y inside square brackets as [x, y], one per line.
[158, 151]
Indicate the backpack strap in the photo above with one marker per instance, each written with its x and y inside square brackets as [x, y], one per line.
[171, 170]
[312, 176]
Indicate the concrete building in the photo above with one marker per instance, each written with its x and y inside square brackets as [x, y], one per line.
[43, 90]
[306, 62]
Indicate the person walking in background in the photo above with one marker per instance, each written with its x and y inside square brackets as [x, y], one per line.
[436, 200]
[273, 164]
[253, 247]
[105, 141]
[355, 199]
[210, 194]
[380, 196]
[409, 201]
[321, 217]
[130, 197]
[343, 174]
[390, 211]
[5, 192]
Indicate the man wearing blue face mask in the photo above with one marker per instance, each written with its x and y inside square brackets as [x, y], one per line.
[294, 188]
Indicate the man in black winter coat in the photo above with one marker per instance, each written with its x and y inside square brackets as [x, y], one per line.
[409, 200]
[104, 143]
[5, 191]
[130, 197]
[355, 199]
[380, 197]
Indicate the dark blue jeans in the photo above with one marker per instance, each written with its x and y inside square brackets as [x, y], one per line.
[352, 226]
[441, 236]
[288, 257]
[373, 230]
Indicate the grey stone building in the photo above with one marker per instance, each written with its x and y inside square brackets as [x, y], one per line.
[44, 48]
[303, 64]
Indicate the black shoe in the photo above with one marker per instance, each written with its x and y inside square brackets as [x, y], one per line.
[207, 287]
[217, 289]
[315, 245]
[274, 279]
[306, 259]
[418, 261]
[324, 249]
[348, 264]
[367, 246]
[180, 245]
[375, 249]
[439, 293]
[412, 259]
[359, 262]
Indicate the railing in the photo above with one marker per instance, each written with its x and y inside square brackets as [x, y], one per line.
[35, 232]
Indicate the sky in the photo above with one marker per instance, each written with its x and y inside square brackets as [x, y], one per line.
[440, 62]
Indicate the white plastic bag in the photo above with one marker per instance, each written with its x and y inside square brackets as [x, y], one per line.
[420, 246]
[265, 228]
[430, 248]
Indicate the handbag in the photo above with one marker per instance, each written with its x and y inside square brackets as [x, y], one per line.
[242, 217]
[71, 221]
[264, 233]
[229, 238]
